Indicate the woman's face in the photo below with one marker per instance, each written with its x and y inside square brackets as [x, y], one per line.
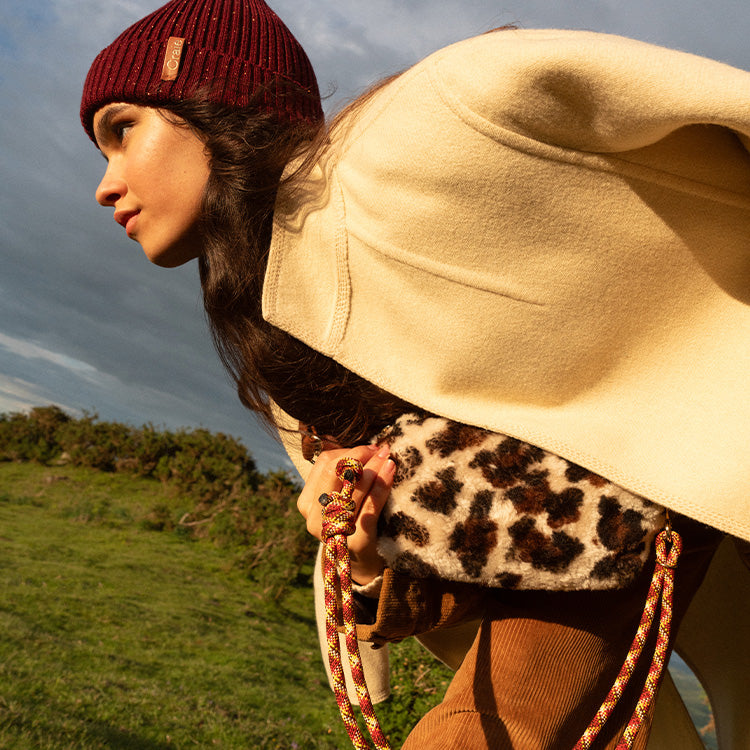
[156, 174]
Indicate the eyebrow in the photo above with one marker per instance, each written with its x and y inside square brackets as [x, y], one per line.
[104, 126]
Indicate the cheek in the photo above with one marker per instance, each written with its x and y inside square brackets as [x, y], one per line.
[149, 175]
[187, 172]
[194, 183]
[171, 173]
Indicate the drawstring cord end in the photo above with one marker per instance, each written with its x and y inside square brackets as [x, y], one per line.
[668, 549]
[338, 523]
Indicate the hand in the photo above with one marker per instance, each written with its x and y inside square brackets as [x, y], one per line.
[369, 497]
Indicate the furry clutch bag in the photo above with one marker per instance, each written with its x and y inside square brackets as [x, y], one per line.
[477, 506]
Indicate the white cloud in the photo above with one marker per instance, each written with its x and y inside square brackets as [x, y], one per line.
[30, 350]
[19, 395]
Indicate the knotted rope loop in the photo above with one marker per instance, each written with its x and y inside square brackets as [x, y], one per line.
[338, 519]
[664, 558]
[349, 471]
[338, 523]
[668, 548]
[338, 507]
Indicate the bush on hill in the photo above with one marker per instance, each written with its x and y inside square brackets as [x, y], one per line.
[198, 462]
[222, 496]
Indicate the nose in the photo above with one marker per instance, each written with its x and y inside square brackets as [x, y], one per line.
[111, 188]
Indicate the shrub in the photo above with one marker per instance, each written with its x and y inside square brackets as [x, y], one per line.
[270, 540]
[208, 467]
[252, 514]
[197, 463]
[98, 445]
[146, 449]
[32, 436]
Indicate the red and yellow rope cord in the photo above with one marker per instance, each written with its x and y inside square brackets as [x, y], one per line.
[662, 588]
[338, 523]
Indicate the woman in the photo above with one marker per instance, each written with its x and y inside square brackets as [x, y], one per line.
[542, 234]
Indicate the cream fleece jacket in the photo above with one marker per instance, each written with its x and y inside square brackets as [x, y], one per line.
[547, 233]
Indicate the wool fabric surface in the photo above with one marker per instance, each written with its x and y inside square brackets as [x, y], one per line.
[553, 226]
[239, 51]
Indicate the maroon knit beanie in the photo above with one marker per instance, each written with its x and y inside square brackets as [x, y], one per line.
[229, 47]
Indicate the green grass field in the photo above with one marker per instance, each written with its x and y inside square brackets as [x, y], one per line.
[116, 636]
[112, 636]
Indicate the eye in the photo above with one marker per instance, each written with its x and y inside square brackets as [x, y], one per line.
[115, 124]
[121, 129]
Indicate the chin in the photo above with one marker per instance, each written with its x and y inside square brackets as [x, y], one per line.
[169, 262]
[172, 257]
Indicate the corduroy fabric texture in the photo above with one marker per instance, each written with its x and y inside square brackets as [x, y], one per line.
[233, 49]
[542, 662]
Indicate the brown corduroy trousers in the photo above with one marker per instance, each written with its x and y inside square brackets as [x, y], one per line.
[543, 662]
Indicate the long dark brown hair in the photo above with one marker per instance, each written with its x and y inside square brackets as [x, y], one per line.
[249, 150]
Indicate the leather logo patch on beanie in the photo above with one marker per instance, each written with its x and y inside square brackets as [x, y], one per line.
[172, 57]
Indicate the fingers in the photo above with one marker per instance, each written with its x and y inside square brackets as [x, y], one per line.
[372, 504]
[366, 563]
[370, 495]
[370, 476]
[323, 479]
[371, 491]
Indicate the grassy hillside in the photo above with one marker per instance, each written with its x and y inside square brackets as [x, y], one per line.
[163, 599]
[116, 636]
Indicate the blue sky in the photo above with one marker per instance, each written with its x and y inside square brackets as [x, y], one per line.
[85, 321]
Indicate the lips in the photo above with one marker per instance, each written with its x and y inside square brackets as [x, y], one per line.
[127, 219]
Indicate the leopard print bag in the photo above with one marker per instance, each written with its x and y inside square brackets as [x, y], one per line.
[477, 506]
